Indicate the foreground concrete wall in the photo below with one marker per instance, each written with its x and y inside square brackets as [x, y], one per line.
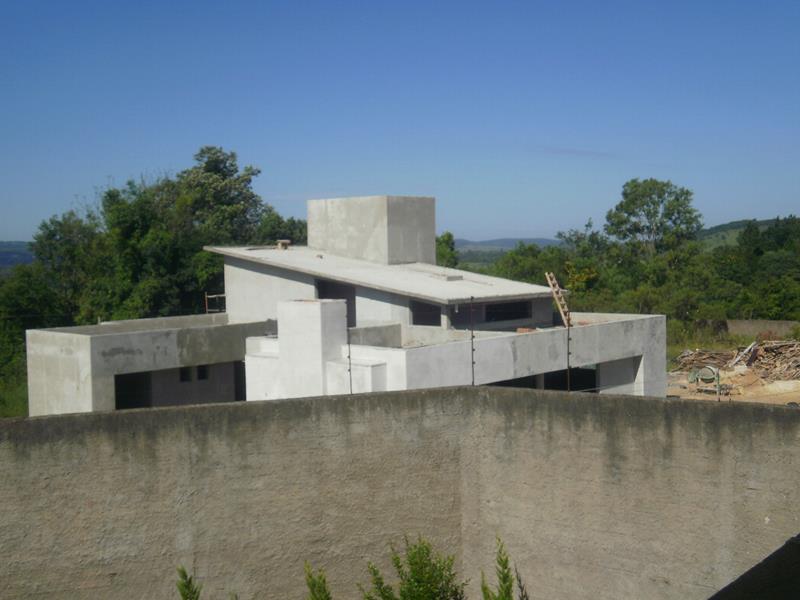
[595, 496]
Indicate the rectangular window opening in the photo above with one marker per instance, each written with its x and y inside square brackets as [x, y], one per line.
[202, 372]
[185, 374]
[423, 313]
[508, 311]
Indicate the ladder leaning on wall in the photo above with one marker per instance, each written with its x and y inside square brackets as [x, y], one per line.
[558, 296]
[566, 318]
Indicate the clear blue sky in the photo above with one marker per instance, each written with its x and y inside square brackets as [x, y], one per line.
[522, 118]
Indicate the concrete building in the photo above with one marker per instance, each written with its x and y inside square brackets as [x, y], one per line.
[362, 308]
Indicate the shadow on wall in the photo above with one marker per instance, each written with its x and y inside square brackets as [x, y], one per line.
[777, 577]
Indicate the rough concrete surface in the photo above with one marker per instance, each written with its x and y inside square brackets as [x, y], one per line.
[595, 496]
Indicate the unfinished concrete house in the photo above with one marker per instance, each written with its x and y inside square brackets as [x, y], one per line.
[362, 308]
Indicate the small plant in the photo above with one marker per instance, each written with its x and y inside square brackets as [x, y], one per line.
[522, 592]
[187, 588]
[317, 584]
[505, 579]
[422, 573]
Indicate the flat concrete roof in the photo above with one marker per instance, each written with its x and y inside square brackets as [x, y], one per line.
[431, 283]
[153, 324]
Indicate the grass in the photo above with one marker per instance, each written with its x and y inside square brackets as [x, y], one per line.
[682, 336]
[13, 397]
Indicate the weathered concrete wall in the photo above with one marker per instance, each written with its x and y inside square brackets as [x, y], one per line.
[595, 496]
[59, 372]
[755, 327]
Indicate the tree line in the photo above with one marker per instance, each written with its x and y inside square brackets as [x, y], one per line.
[647, 259]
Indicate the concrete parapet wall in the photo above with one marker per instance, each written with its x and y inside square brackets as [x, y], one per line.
[595, 496]
[72, 369]
[761, 326]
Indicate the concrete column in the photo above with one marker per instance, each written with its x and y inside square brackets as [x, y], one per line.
[310, 333]
[624, 376]
[446, 317]
[538, 381]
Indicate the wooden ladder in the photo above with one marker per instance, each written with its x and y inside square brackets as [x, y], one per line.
[558, 296]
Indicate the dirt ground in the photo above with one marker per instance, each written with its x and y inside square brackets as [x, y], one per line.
[739, 384]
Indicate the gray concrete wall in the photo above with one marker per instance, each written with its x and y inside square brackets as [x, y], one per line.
[253, 290]
[594, 496]
[59, 372]
[383, 229]
[389, 335]
[375, 306]
[412, 229]
[167, 389]
[73, 369]
[755, 326]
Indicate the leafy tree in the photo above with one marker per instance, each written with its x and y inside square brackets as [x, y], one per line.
[446, 254]
[654, 215]
[274, 227]
[422, 573]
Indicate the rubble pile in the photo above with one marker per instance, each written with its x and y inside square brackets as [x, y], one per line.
[697, 359]
[770, 360]
[773, 360]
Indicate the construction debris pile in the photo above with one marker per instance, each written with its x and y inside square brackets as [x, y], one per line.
[771, 360]
[697, 359]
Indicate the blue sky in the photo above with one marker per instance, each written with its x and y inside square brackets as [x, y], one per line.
[522, 118]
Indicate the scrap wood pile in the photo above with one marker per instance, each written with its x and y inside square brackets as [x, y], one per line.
[775, 360]
[772, 360]
[697, 359]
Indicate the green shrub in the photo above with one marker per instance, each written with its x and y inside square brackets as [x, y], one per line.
[423, 574]
[187, 588]
[317, 584]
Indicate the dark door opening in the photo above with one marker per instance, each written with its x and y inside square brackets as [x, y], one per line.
[330, 290]
[133, 390]
[239, 383]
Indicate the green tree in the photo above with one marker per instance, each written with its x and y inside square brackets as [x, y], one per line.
[422, 573]
[653, 215]
[446, 254]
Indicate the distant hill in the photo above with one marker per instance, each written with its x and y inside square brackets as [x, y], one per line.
[502, 244]
[727, 233]
[15, 253]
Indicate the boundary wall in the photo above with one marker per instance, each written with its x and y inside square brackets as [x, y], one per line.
[595, 496]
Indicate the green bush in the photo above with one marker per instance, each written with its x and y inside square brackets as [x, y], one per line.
[422, 574]
[187, 588]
